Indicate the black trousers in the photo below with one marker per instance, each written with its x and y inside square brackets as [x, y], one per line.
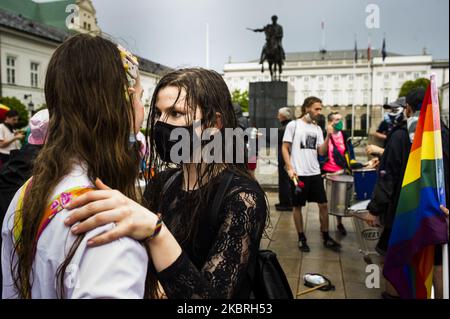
[284, 186]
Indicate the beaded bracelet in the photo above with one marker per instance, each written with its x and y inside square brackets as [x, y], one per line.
[158, 228]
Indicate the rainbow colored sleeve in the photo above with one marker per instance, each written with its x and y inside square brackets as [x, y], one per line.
[419, 223]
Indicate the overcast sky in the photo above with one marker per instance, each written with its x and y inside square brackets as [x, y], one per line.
[173, 32]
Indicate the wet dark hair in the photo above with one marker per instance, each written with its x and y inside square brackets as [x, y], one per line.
[205, 90]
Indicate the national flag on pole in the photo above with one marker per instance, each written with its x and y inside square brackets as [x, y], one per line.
[419, 223]
[356, 53]
[383, 50]
[369, 51]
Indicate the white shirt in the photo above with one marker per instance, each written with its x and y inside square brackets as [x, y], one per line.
[114, 270]
[305, 139]
[7, 135]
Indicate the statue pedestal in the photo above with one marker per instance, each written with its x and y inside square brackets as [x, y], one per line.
[265, 98]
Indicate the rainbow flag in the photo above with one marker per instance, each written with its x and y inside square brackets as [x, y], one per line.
[419, 223]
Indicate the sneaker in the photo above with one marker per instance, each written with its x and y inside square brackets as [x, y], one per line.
[341, 229]
[331, 244]
[303, 246]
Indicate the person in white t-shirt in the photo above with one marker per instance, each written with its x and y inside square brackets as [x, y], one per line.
[302, 142]
[9, 137]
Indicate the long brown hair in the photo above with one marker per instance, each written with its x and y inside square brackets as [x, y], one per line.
[307, 103]
[91, 120]
[205, 90]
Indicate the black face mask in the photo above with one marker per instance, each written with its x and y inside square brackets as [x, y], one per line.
[164, 144]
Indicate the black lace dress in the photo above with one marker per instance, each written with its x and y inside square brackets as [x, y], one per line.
[214, 263]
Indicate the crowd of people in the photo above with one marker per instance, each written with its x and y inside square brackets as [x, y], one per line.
[75, 224]
[309, 157]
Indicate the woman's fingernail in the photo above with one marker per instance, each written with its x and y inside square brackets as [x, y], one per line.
[90, 242]
[68, 220]
[74, 229]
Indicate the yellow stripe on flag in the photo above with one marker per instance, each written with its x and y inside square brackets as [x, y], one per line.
[425, 152]
[412, 172]
[429, 151]
[429, 283]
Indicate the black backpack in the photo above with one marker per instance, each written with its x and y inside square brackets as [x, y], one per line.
[267, 278]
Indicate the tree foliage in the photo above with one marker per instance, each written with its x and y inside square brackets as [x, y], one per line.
[15, 104]
[411, 85]
[241, 98]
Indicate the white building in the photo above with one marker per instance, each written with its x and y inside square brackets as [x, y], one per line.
[26, 47]
[338, 81]
[25, 50]
[86, 20]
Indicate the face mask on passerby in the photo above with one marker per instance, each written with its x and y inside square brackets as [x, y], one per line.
[339, 126]
[396, 116]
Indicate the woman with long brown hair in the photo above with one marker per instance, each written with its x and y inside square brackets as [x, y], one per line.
[94, 104]
[203, 220]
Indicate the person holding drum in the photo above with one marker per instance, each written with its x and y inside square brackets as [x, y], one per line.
[302, 142]
[339, 154]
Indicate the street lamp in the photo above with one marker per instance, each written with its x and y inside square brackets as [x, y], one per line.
[31, 104]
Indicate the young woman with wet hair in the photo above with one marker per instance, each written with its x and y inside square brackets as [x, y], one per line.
[195, 255]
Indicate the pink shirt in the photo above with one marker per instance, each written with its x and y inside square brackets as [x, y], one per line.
[330, 165]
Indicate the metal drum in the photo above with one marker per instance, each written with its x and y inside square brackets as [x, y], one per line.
[367, 236]
[365, 180]
[339, 194]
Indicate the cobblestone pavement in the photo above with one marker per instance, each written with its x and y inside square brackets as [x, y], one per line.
[346, 269]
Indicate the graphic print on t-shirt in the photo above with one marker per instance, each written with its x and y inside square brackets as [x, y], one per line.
[310, 142]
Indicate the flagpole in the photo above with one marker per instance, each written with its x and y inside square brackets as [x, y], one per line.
[353, 102]
[383, 71]
[207, 45]
[355, 60]
[440, 181]
[445, 269]
[369, 58]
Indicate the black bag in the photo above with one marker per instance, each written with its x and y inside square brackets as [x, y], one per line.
[339, 159]
[267, 278]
